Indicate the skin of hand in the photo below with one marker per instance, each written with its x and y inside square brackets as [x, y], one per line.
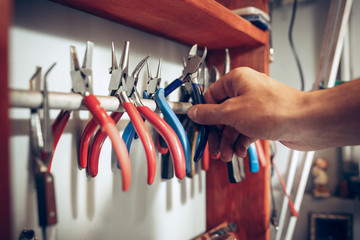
[245, 105]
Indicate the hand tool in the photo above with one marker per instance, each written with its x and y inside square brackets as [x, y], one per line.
[126, 91]
[191, 129]
[198, 98]
[193, 63]
[158, 123]
[235, 168]
[41, 142]
[205, 159]
[260, 153]
[82, 84]
[253, 158]
[121, 84]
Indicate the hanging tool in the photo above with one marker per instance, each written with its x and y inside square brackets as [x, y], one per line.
[204, 81]
[82, 84]
[158, 123]
[193, 62]
[236, 170]
[41, 142]
[123, 86]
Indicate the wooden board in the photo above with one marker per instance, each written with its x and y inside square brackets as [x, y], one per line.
[205, 22]
[246, 203]
[5, 226]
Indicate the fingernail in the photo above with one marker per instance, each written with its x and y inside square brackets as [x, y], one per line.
[192, 112]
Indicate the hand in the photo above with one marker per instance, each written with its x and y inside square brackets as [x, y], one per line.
[245, 105]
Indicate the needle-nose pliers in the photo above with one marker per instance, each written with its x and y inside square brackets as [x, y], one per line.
[82, 84]
[192, 64]
[122, 85]
[41, 143]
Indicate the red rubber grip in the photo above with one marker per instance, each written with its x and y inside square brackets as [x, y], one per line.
[96, 146]
[145, 137]
[205, 159]
[170, 137]
[260, 152]
[58, 127]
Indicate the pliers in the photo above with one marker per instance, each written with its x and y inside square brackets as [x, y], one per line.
[82, 83]
[236, 170]
[41, 143]
[193, 62]
[122, 85]
[159, 124]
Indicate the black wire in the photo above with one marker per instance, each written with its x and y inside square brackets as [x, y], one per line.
[293, 47]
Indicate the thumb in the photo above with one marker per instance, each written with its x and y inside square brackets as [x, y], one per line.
[208, 114]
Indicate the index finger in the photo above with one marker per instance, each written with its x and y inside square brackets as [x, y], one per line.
[222, 89]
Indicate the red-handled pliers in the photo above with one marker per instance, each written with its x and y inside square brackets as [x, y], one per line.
[122, 85]
[90, 128]
[82, 84]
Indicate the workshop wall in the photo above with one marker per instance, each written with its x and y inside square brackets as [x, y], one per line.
[40, 35]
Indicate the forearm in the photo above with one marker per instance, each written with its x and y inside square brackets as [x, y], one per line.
[326, 118]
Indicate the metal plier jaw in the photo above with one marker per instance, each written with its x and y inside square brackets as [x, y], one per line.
[122, 84]
[118, 72]
[193, 62]
[153, 83]
[82, 80]
[191, 66]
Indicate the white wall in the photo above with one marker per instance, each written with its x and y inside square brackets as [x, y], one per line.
[41, 34]
[307, 34]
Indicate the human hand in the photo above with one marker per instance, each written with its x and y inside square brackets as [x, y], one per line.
[245, 105]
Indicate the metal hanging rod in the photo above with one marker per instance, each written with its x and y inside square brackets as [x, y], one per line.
[73, 101]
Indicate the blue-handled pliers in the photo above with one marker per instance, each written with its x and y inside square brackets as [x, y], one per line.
[175, 146]
[191, 66]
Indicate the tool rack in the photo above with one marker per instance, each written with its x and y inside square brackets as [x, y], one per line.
[208, 23]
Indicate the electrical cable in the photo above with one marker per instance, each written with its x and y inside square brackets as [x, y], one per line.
[293, 47]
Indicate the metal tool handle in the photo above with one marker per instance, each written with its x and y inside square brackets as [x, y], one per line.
[46, 199]
[236, 170]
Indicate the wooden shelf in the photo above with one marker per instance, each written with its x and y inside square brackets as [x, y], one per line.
[204, 22]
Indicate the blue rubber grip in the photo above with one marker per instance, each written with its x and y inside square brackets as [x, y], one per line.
[128, 136]
[253, 158]
[204, 133]
[175, 124]
[172, 86]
